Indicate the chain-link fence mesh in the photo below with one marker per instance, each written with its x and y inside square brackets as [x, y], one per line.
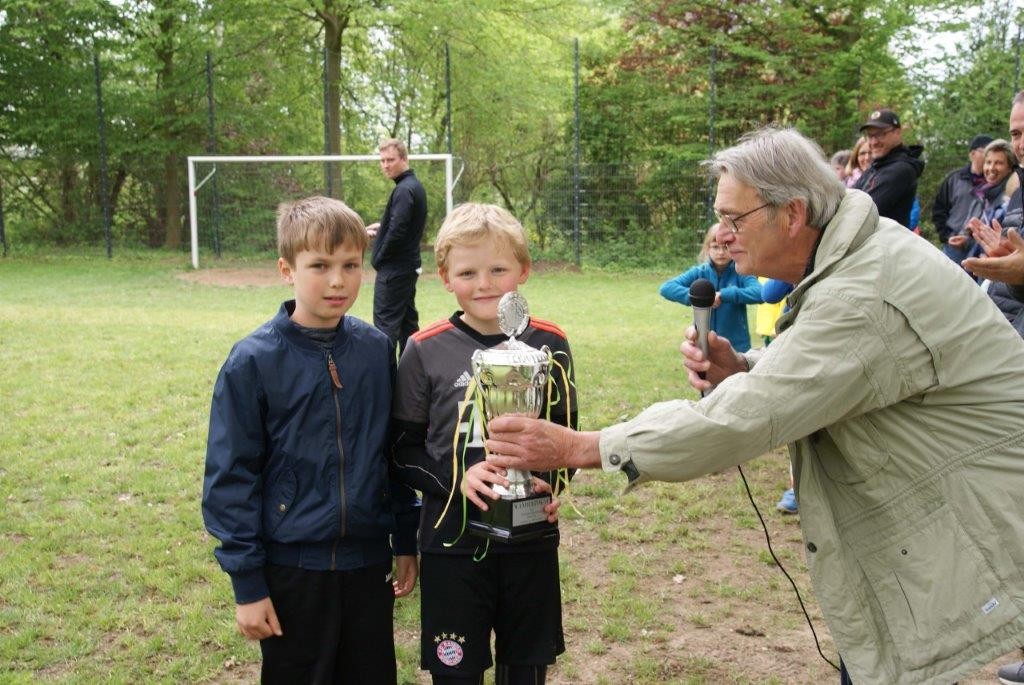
[236, 202]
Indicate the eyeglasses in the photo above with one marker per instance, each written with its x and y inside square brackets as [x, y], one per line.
[879, 134]
[729, 222]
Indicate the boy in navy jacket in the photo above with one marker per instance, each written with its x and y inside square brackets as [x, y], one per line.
[297, 486]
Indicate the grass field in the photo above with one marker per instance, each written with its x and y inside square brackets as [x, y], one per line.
[106, 572]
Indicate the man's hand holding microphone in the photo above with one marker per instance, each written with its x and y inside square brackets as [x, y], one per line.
[709, 358]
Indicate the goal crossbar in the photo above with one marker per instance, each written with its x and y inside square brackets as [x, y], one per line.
[193, 187]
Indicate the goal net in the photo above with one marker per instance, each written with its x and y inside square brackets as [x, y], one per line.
[233, 199]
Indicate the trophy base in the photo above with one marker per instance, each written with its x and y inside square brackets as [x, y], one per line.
[512, 520]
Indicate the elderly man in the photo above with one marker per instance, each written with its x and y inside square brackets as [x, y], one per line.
[904, 419]
[891, 180]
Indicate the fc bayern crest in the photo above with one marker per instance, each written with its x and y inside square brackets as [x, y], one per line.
[450, 652]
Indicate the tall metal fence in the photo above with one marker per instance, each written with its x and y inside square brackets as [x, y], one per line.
[625, 214]
[604, 214]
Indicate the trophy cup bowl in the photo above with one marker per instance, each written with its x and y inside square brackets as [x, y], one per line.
[511, 379]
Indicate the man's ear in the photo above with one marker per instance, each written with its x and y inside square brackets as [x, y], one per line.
[286, 270]
[796, 216]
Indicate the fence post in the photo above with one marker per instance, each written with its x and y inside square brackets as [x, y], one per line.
[1016, 70]
[3, 234]
[101, 124]
[448, 94]
[709, 199]
[211, 149]
[576, 239]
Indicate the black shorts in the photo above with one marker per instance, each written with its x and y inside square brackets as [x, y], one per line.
[337, 626]
[461, 601]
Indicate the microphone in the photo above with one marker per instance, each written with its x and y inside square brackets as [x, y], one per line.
[702, 296]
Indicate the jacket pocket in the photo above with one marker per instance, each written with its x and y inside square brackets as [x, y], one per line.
[277, 502]
[934, 590]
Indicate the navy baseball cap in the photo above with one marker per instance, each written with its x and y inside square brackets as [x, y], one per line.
[980, 140]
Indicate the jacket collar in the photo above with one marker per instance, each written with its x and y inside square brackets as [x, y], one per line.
[282, 323]
[853, 223]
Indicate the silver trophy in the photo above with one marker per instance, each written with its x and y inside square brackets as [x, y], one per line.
[511, 378]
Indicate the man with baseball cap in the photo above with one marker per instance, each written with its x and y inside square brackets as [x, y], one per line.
[891, 180]
[952, 205]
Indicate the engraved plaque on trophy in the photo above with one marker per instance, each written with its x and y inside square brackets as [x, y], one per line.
[511, 379]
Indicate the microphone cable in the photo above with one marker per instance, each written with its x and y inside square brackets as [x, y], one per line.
[782, 568]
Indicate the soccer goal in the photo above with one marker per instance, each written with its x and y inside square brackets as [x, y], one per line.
[232, 200]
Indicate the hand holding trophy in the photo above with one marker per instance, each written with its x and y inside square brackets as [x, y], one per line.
[511, 379]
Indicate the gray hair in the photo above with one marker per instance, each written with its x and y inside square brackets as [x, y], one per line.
[1017, 99]
[1001, 145]
[782, 165]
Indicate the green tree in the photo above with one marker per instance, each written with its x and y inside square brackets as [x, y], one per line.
[48, 141]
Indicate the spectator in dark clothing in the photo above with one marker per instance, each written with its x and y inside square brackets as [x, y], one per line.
[950, 210]
[891, 180]
[396, 253]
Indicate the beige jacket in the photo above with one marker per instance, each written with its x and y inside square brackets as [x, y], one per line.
[899, 388]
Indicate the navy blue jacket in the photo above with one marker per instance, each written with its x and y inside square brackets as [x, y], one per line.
[728, 319]
[952, 205]
[296, 469]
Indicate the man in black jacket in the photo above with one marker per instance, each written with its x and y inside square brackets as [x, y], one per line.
[396, 252]
[891, 180]
[952, 205]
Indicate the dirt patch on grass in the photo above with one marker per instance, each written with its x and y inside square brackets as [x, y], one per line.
[266, 276]
[241, 277]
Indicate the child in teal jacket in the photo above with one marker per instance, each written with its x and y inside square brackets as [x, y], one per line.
[733, 291]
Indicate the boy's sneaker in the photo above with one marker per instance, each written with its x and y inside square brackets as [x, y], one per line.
[787, 505]
[1011, 674]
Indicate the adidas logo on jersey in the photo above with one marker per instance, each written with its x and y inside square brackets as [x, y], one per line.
[463, 380]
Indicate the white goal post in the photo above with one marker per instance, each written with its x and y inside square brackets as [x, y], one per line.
[194, 185]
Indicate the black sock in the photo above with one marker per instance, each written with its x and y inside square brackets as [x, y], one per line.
[504, 674]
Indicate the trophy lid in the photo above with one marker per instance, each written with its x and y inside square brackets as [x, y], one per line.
[513, 314]
[513, 318]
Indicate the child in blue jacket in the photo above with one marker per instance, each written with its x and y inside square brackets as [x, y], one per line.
[297, 486]
[733, 291]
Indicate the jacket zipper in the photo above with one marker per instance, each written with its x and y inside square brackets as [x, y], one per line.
[336, 386]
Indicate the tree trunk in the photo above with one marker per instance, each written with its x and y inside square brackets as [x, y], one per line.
[335, 23]
[168, 197]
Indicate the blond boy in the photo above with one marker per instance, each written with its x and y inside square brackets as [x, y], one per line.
[481, 254]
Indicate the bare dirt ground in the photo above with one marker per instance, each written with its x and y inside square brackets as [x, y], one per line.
[243, 277]
[267, 276]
